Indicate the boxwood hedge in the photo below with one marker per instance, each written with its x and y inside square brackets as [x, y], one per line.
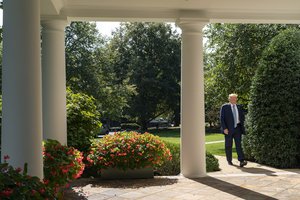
[273, 120]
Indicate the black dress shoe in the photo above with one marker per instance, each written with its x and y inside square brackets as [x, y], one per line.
[243, 163]
[230, 163]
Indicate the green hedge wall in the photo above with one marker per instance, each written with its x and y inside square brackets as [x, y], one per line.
[273, 121]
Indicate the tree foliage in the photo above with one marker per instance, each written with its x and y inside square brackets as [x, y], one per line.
[274, 110]
[81, 44]
[89, 69]
[232, 55]
[83, 120]
[149, 55]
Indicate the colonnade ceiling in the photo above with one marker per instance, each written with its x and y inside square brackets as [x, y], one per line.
[234, 11]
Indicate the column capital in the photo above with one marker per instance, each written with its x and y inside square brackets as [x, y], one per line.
[191, 25]
[54, 24]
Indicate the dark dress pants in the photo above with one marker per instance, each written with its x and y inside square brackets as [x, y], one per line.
[237, 136]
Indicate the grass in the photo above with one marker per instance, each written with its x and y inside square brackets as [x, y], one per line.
[169, 135]
[213, 137]
[173, 136]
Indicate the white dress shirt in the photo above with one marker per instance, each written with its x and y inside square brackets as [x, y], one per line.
[236, 111]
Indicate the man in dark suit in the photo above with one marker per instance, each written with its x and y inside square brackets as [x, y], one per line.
[232, 126]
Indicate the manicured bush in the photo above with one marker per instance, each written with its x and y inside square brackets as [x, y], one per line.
[273, 121]
[83, 120]
[0, 122]
[128, 150]
[169, 167]
[172, 167]
[15, 184]
[62, 164]
[212, 163]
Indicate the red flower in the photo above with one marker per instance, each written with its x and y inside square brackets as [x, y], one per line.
[71, 164]
[65, 170]
[100, 158]
[7, 192]
[33, 192]
[18, 169]
[6, 158]
[70, 152]
[46, 182]
[53, 173]
[42, 190]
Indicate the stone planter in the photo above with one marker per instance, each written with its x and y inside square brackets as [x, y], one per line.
[115, 173]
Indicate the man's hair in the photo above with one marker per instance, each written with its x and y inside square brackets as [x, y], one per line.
[232, 95]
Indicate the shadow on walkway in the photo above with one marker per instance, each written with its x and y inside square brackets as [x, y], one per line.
[256, 170]
[232, 189]
[121, 184]
[134, 183]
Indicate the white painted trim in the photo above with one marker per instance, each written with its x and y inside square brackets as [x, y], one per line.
[58, 5]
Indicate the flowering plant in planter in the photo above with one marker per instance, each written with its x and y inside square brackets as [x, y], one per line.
[15, 184]
[128, 150]
[62, 164]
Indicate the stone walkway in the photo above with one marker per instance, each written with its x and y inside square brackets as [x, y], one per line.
[253, 182]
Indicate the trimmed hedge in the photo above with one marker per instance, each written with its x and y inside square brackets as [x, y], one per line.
[172, 167]
[212, 163]
[273, 120]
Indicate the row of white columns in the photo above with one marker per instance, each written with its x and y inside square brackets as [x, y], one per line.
[34, 94]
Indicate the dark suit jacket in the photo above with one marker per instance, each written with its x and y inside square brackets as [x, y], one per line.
[226, 118]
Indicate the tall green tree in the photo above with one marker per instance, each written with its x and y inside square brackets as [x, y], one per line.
[90, 70]
[149, 55]
[232, 55]
[82, 43]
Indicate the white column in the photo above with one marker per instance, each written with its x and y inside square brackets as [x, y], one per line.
[22, 95]
[54, 80]
[193, 158]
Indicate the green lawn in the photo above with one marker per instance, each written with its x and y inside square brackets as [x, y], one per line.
[169, 135]
[173, 136]
[214, 137]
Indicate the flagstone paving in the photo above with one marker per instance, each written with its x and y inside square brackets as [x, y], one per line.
[253, 182]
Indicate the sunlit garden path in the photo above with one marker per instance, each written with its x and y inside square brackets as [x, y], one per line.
[232, 182]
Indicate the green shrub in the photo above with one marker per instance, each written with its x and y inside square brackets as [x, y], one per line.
[247, 146]
[15, 184]
[62, 164]
[273, 121]
[212, 163]
[128, 150]
[83, 120]
[172, 167]
[0, 122]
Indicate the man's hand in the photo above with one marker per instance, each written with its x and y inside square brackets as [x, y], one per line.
[226, 131]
